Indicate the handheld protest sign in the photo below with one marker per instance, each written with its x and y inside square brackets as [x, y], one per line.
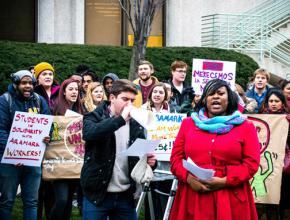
[166, 129]
[25, 142]
[205, 70]
[64, 157]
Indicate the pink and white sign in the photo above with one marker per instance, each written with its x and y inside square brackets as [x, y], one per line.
[25, 142]
[205, 70]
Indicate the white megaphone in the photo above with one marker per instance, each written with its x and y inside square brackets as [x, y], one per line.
[143, 117]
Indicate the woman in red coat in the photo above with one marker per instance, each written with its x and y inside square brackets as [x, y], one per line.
[217, 137]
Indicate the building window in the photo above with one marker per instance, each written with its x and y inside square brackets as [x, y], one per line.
[17, 20]
[156, 38]
[105, 24]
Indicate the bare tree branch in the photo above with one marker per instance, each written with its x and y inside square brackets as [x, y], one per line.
[127, 14]
[140, 14]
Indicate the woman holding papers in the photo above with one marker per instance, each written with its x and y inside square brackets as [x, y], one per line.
[68, 98]
[216, 137]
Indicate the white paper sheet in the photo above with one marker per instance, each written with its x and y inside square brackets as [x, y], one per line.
[69, 113]
[201, 173]
[144, 117]
[141, 147]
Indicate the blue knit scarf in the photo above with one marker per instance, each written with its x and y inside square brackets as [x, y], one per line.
[217, 124]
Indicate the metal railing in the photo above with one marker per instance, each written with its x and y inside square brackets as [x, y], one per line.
[251, 32]
[273, 11]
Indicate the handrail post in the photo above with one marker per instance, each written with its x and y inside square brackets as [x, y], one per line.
[251, 31]
[228, 33]
[261, 40]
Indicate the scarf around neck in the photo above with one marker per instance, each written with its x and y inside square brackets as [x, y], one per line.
[280, 111]
[217, 124]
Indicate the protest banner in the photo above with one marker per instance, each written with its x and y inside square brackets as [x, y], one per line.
[63, 158]
[272, 132]
[166, 129]
[25, 142]
[205, 70]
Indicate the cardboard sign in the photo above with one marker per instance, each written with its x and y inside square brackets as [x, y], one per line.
[166, 129]
[25, 142]
[272, 132]
[63, 158]
[205, 70]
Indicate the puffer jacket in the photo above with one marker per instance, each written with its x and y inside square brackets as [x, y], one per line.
[21, 104]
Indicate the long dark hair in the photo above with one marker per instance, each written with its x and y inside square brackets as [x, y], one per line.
[210, 88]
[279, 94]
[284, 83]
[62, 104]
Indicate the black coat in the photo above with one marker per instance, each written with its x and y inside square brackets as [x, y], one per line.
[181, 102]
[100, 151]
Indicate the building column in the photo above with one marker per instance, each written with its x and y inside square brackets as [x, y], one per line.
[61, 21]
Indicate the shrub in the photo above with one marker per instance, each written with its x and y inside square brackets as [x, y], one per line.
[103, 59]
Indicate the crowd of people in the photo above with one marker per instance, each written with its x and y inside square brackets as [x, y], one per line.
[215, 135]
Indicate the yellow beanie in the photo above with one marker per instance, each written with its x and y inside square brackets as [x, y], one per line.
[41, 67]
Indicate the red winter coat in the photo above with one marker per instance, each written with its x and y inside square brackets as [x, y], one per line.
[235, 155]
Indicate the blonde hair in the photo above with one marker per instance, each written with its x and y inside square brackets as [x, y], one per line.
[146, 62]
[241, 92]
[262, 71]
[88, 99]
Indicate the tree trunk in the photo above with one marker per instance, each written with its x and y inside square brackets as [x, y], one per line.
[140, 14]
[138, 53]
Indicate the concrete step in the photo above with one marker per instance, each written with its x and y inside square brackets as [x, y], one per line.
[271, 65]
[285, 31]
[276, 67]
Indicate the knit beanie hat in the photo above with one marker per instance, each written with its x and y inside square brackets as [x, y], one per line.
[16, 77]
[41, 67]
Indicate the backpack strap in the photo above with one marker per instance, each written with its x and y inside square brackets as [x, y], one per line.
[8, 98]
[38, 100]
